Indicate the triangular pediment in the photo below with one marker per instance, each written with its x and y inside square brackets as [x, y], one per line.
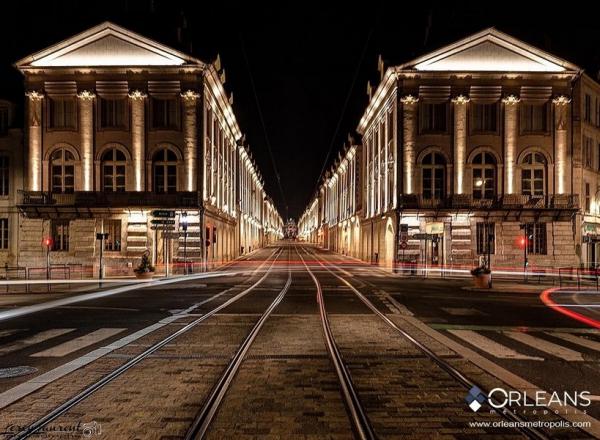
[492, 51]
[107, 45]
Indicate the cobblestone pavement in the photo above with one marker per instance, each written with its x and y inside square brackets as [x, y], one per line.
[286, 387]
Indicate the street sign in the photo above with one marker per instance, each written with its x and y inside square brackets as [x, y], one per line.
[162, 221]
[164, 213]
[172, 235]
[101, 235]
[162, 228]
[423, 236]
[403, 245]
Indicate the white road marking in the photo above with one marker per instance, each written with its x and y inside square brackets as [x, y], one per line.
[568, 412]
[547, 347]
[584, 342]
[491, 347]
[79, 343]
[35, 339]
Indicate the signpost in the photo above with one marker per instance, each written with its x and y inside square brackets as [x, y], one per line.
[101, 236]
[163, 213]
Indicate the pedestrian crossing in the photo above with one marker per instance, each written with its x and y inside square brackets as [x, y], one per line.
[532, 345]
[61, 348]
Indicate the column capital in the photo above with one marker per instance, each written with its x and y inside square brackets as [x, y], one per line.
[86, 95]
[561, 100]
[190, 95]
[409, 99]
[460, 99]
[35, 95]
[137, 95]
[511, 100]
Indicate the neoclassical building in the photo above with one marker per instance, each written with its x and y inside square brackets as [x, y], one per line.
[485, 145]
[118, 125]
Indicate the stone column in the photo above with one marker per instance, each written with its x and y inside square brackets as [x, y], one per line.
[510, 142]
[86, 130]
[409, 127]
[138, 138]
[560, 142]
[34, 135]
[190, 137]
[460, 142]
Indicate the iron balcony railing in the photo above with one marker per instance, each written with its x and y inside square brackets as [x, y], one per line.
[182, 199]
[508, 201]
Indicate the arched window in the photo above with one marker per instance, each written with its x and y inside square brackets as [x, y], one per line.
[484, 176]
[113, 170]
[533, 174]
[434, 176]
[164, 164]
[62, 171]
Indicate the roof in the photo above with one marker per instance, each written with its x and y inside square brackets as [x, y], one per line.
[107, 44]
[489, 50]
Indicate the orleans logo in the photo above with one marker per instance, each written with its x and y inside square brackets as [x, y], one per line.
[475, 398]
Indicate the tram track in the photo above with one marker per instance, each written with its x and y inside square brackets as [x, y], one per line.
[518, 421]
[39, 424]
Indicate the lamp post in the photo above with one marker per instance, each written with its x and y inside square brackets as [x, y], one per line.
[183, 221]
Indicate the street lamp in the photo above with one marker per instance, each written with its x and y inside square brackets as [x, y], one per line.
[183, 222]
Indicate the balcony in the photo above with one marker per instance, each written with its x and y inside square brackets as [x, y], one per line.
[44, 204]
[559, 202]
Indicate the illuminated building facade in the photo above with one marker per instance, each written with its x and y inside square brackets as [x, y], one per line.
[117, 126]
[11, 182]
[474, 147]
[333, 218]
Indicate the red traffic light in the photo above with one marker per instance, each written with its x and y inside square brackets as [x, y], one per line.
[47, 241]
[522, 242]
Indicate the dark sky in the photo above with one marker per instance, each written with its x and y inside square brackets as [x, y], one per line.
[303, 57]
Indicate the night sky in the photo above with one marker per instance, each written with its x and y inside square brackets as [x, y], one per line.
[310, 62]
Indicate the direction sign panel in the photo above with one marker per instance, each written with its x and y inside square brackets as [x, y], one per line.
[164, 213]
[162, 221]
[172, 235]
[403, 245]
[423, 236]
[162, 228]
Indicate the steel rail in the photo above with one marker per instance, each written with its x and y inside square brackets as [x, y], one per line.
[91, 389]
[205, 416]
[360, 422]
[530, 432]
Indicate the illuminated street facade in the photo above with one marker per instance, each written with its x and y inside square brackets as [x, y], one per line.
[118, 126]
[475, 145]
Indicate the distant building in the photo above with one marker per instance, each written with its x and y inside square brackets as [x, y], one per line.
[487, 144]
[117, 126]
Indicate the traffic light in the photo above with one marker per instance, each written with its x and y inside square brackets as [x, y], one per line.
[48, 242]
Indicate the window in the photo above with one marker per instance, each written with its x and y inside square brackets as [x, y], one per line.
[63, 113]
[534, 118]
[533, 174]
[597, 112]
[588, 201]
[587, 108]
[486, 235]
[4, 175]
[165, 113]
[60, 235]
[113, 170]
[434, 176]
[484, 176]
[112, 113]
[165, 171]
[4, 120]
[3, 233]
[433, 117]
[485, 117]
[62, 171]
[113, 228]
[588, 156]
[536, 238]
